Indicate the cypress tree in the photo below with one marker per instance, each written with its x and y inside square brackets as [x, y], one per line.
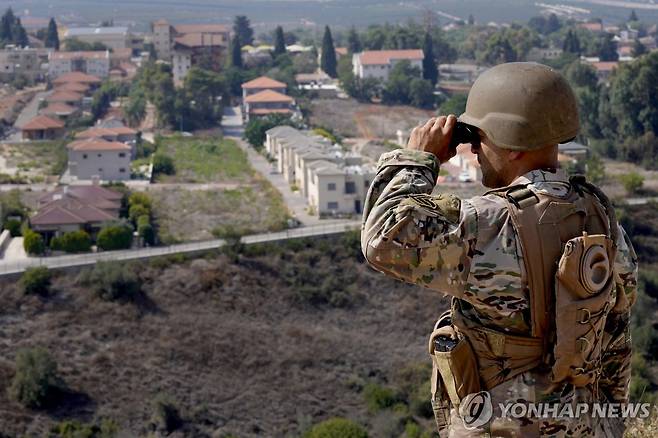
[430, 71]
[52, 37]
[7, 26]
[242, 29]
[633, 16]
[20, 35]
[236, 53]
[328, 59]
[279, 42]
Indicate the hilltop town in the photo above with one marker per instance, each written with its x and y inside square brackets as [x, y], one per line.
[120, 144]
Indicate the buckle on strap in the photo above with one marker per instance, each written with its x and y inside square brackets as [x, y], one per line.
[522, 197]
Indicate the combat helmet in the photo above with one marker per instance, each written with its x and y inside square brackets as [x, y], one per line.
[523, 106]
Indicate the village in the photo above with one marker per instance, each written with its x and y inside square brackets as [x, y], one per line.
[97, 164]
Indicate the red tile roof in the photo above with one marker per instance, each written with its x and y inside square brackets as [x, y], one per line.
[267, 96]
[606, 66]
[97, 144]
[69, 210]
[77, 87]
[64, 96]
[121, 53]
[77, 76]
[58, 108]
[105, 132]
[263, 82]
[382, 57]
[342, 51]
[42, 122]
[264, 111]
[91, 194]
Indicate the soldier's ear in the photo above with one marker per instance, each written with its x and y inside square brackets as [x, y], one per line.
[515, 155]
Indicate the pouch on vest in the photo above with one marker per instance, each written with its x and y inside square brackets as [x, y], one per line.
[584, 293]
[456, 369]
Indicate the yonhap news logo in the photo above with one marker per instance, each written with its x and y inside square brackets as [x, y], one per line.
[476, 410]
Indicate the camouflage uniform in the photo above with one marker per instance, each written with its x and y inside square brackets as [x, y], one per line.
[469, 249]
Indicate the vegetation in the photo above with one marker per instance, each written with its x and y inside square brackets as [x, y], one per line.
[328, 60]
[165, 415]
[115, 236]
[35, 381]
[112, 281]
[378, 397]
[75, 429]
[72, 242]
[52, 36]
[430, 70]
[33, 242]
[76, 45]
[632, 182]
[12, 31]
[255, 131]
[163, 165]
[337, 428]
[36, 281]
[279, 42]
[242, 29]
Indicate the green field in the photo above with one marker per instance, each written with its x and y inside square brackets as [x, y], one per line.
[201, 160]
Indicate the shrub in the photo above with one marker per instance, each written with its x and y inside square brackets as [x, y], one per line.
[35, 281]
[378, 397]
[136, 211]
[14, 227]
[75, 429]
[35, 381]
[632, 182]
[163, 164]
[33, 242]
[113, 237]
[75, 241]
[113, 281]
[165, 415]
[141, 199]
[143, 220]
[337, 428]
[146, 232]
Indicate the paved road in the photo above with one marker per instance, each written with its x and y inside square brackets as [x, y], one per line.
[69, 261]
[232, 126]
[31, 109]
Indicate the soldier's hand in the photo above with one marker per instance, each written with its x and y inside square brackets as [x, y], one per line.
[434, 137]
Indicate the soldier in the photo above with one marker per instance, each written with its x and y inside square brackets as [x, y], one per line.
[541, 274]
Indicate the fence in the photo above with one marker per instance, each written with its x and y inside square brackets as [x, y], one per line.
[78, 260]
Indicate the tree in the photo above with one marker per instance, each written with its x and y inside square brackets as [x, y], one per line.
[7, 26]
[328, 61]
[255, 130]
[36, 281]
[552, 24]
[279, 42]
[236, 53]
[571, 43]
[113, 281]
[33, 243]
[498, 49]
[115, 236]
[337, 428]
[471, 20]
[398, 87]
[135, 109]
[242, 30]
[52, 36]
[20, 35]
[163, 164]
[632, 182]
[430, 70]
[455, 105]
[608, 48]
[36, 380]
[633, 16]
[353, 41]
[421, 93]
[639, 49]
[595, 169]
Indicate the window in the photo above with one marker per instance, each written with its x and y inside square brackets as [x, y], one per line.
[332, 205]
[122, 170]
[366, 184]
[100, 169]
[122, 154]
[331, 187]
[84, 156]
[100, 155]
[350, 187]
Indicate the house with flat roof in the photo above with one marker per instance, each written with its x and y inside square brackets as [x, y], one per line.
[43, 127]
[114, 37]
[98, 159]
[95, 63]
[378, 64]
[165, 36]
[19, 62]
[190, 49]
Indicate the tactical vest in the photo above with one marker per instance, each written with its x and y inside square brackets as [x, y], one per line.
[568, 246]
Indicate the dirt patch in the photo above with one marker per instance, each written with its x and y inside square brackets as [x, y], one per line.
[349, 118]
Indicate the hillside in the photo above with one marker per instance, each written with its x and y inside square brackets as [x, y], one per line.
[255, 341]
[264, 343]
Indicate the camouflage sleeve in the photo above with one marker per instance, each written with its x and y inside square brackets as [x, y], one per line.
[616, 358]
[412, 235]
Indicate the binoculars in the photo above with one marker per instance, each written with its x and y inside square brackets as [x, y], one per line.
[463, 133]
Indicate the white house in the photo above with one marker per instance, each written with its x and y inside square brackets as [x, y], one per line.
[96, 63]
[379, 63]
[100, 159]
[18, 62]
